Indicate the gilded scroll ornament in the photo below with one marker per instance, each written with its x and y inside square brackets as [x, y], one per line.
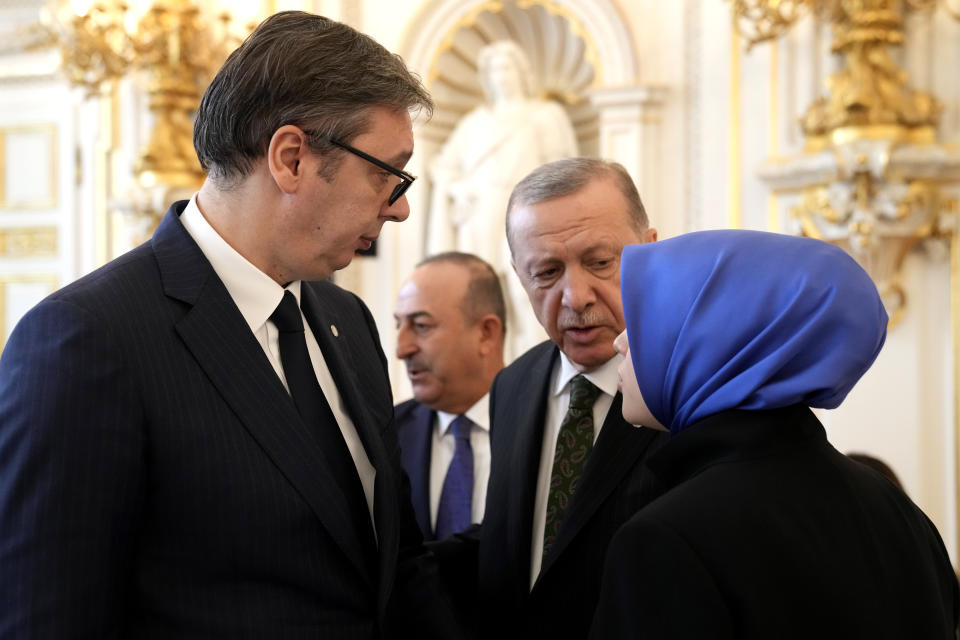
[872, 173]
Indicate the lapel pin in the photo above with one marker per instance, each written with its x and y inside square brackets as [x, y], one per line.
[333, 330]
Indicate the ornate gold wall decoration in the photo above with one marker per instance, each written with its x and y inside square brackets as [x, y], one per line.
[179, 46]
[872, 172]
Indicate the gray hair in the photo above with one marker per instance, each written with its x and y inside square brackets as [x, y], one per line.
[301, 69]
[569, 175]
[484, 294]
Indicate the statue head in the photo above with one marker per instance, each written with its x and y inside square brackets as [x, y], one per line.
[504, 71]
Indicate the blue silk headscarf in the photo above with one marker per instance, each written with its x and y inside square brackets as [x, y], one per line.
[721, 320]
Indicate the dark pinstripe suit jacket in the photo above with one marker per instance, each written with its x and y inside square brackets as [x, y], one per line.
[415, 431]
[157, 481]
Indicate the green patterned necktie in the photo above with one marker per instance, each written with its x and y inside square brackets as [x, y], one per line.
[574, 441]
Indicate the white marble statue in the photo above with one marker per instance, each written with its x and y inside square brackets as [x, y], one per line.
[490, 150]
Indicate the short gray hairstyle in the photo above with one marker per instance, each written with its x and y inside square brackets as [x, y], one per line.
[484, 294]
[569, 175]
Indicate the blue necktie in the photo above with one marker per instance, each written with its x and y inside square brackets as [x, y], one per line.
[454, 513]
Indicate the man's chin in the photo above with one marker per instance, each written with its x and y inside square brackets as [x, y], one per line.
[424, 394]
[588, 357]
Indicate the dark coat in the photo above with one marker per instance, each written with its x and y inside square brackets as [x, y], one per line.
[766, 531]
[157, 481]
[415, 423]
[614, 485]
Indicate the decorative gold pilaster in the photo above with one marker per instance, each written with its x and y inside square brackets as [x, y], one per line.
[176, 43]
[872, 171]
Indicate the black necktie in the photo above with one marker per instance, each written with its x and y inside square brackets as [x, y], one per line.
[316, 413]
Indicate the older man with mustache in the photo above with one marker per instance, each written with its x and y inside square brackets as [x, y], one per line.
[451, 322]
[566, 469]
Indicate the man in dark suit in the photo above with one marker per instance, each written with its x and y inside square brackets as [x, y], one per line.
[450, 334]
[186, 451]
[566, 469]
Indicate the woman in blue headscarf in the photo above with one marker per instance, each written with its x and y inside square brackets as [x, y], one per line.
[764, 530]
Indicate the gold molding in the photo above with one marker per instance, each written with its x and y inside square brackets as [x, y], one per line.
[49, 203]
[734, 217]
[894, 133]
[28, 242]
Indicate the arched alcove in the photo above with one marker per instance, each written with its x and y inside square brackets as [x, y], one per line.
[597, 21]
[563, 64]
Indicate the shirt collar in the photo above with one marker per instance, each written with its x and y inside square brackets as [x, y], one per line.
[479, 415]
[605, 377]
[255, 293]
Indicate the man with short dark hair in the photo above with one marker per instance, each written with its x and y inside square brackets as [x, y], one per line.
[450, 334]
[197, 440]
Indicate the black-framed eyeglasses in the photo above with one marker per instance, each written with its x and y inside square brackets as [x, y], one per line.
[406, 179]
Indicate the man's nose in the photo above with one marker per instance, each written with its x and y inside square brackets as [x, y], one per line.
[578, 291]
[398, 211]
[406, 346]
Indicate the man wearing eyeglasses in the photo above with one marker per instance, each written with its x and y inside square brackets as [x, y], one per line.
[198, 439]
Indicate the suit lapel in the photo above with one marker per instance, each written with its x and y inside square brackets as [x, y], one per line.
[613, 456]
[523, 462]
[215, 332]
[324, 319]
[418, 454]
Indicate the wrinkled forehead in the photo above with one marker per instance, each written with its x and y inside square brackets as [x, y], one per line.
[569, 227]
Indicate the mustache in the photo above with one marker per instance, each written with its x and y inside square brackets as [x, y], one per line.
[414, 363]
[570, 319]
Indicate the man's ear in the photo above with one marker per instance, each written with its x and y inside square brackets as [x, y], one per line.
[650, 235]
[491, 333]
[287, 147]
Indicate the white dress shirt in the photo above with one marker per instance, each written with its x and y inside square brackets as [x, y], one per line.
[441, 455]
[605, 378]
[257, 295]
